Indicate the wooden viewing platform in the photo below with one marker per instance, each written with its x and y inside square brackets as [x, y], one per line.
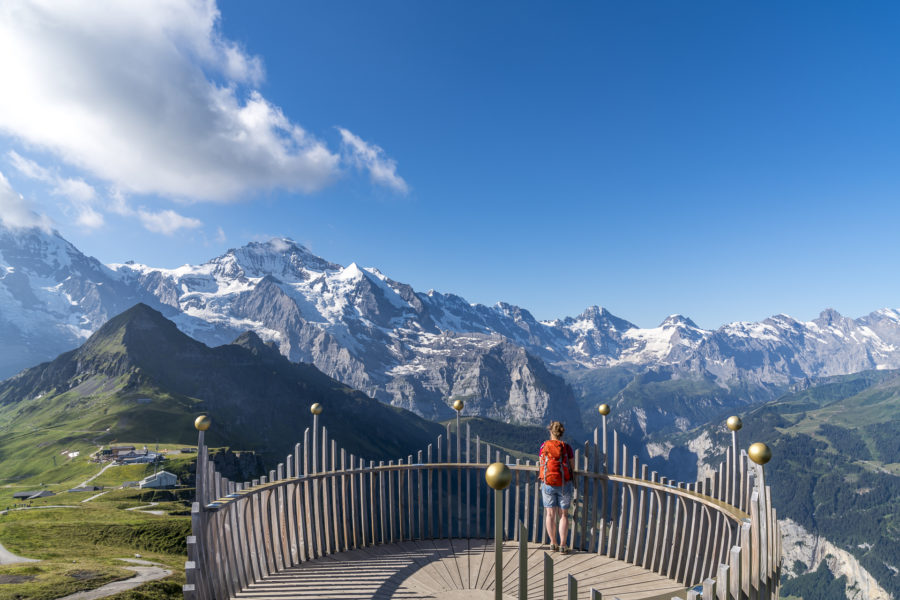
[460, 569]
[326, 524]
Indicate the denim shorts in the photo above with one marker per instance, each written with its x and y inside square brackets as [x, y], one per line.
[554, 497]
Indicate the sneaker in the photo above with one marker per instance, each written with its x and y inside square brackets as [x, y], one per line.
[554, 547]
[563, 550]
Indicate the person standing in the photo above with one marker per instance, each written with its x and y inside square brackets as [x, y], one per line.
[555, 475]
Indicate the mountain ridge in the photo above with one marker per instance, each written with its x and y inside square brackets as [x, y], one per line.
[140, 378]
[416, 349]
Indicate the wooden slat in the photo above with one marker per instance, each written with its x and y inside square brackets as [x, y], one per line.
[401, 503]
[421, 496]
[439, 500]
[536, 534]
[370, 480]
[756, 537]
[354, 498]
[335, 501]
[734, 566]
[346, 510]
[478, 479]
[746, 552]
[430, 496]
[516, 500]
[468, 509]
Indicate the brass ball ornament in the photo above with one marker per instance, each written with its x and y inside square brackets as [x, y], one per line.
[498, 476]
[603, 409]
[316, 409]
[734, 423]
[202, 423]
[759, 453]
[458, 405]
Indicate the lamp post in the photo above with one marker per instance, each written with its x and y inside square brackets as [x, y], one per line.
[458, 405]
[761, 454]
[316, 410]
[201, 424]
[604, 409]
[734, 423]
[498, 476]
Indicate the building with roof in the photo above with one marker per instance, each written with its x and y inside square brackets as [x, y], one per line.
[160, 480]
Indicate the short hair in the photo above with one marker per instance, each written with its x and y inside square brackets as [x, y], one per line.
[556, 428]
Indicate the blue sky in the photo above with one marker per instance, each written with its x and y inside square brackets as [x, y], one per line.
[724, 161]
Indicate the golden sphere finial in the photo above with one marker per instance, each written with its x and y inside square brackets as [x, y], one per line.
[603, 409]
[734, 423]
[316, 409]
[498, 476]
[759, 453]
[458, 405]
[202, 422]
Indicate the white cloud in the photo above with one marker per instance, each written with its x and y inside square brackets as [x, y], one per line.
[119, 205]
[28, 167]
[152, 98]
[81, 195]
[166, 222]
[368, 156]
[15, 212]
[220, 235]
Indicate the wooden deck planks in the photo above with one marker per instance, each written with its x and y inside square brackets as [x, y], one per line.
[434, 569]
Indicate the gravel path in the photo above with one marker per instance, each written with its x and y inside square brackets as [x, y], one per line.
[149, 512]
[148, 571]
[8, 558]
[90, 479]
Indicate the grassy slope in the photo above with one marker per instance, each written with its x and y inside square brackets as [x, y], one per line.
[835, 468]
[78, 546]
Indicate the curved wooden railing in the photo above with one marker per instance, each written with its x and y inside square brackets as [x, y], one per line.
[718, 536]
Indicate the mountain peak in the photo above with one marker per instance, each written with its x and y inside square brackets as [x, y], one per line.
[678, 321]
[829, 316]
[255, 344]
[282, 257]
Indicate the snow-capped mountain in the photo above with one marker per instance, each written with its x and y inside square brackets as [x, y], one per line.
[412, 349]
[52, 297]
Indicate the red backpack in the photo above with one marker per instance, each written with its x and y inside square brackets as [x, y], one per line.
[554, 465]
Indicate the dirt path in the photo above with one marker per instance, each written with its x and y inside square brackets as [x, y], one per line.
[95, 496]
[8, 558]
[148, 571]
[149, 512]
[98, 474]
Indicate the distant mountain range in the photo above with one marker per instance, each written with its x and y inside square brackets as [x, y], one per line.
[417, 350]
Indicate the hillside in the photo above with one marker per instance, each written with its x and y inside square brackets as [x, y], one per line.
[835, 469]
[139, 378]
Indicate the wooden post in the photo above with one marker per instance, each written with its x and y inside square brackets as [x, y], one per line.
[723, 583]
[439, 500]
[421, 498]
[468, 482]
[430, 502]
[478, 529]
[498, 544]
[709, 589]
[548, 577]
[523, 561]
[572, 588]
[734, 566]
[734, 500]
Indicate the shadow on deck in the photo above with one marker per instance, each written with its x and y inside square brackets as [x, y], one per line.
[456, 569]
